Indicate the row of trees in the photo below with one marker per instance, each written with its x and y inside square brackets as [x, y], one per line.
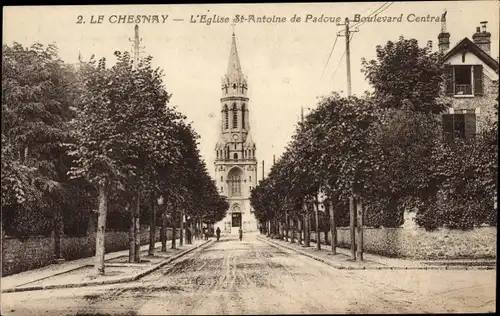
[386, 150]
[94, 138]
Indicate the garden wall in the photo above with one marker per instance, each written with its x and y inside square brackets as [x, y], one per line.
[34, 252]
[419, 244]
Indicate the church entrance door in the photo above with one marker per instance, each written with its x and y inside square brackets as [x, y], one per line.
[236, 220]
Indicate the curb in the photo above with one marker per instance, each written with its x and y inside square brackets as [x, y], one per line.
[122, 280]
[342, 267]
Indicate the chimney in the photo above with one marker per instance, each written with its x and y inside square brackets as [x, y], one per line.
[444, 36]
[482, 38]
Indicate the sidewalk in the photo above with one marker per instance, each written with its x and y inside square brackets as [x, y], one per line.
[81, 272]
[343, 260]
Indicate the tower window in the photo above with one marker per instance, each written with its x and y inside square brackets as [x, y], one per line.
[243, 116]
[222, 189]
[235, 156]
[226, 114]
[234, 86]
[221, 179]
[235, 182]
[235, 116]
[249, 178]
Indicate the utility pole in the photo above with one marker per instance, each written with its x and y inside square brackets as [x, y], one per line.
[136, 47]
[135, 229]
[353, 201]
[347, 35]
[262, 170]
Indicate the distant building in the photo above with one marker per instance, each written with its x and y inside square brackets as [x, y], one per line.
[471, 86]
[235, 164]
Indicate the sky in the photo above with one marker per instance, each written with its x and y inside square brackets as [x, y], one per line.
[286, 63]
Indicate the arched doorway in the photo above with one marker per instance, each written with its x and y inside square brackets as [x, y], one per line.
[236, 216]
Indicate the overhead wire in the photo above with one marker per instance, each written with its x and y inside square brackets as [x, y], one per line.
[329, 56]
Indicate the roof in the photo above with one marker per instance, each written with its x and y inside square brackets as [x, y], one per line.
[234, 66]
[467, 45]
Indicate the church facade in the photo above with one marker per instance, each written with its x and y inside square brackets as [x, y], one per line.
[235, 163]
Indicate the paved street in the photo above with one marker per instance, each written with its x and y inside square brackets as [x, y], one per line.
[252, 277]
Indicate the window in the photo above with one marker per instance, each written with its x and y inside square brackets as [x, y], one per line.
[234, 179]
[464, 80]
[222, 189]
[221, 179]
[249, 178]
[226, 114]
[235, 116]
[243, 116]
[235, 156]
[459, 125]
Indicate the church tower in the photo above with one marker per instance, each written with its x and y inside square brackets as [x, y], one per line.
[235, 163]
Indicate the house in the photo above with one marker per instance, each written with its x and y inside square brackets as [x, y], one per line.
[471, 86]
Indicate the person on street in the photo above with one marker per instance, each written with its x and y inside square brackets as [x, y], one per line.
[205, 233]
[241, 233]
[217, 232]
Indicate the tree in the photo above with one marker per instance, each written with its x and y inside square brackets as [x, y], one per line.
[406, 76]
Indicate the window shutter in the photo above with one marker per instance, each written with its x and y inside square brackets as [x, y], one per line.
[448, 127]
[478, 80]
[449, 79]
[470, 125]
[459, 125]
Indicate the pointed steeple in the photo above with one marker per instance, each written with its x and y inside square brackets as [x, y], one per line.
[234, 66]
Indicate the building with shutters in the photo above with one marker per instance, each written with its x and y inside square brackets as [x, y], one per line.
[235, 163]
[471, 86]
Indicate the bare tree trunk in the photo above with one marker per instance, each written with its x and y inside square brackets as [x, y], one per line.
[152, 228]
[316, 216]
[137, 229]
[286, 227]
[101, 229]
[174, 230]
[307, 231]
[181, 232]
[131, 235]
[57, 230]
[352, 211]
[163, 230]
[292, 237]
[359, 228]
[299, 222]
[333, 229]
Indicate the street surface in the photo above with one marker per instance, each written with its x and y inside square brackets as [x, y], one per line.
[252, 277]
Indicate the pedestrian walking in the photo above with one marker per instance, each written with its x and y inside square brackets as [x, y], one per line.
[205, 233]
[241, 233]
[217, 232]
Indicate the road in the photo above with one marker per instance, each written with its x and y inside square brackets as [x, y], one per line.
[252, 277]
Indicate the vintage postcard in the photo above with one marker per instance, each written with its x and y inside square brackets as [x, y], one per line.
[240, 159]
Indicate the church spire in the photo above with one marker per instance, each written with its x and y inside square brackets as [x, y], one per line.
[234, 66]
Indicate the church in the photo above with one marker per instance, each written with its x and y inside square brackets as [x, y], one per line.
[235, 163]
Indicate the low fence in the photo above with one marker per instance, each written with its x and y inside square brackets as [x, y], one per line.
[478, 243]
[20, 255]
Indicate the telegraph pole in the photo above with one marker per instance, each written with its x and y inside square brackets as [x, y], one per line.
[355, 206]
[135, 238]
[262, 170]
[136, 46]
[347, 35]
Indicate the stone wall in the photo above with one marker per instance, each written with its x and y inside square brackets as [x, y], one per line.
[420, 244]
[34, 252]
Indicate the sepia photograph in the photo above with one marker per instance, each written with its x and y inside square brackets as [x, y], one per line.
[250, 159]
